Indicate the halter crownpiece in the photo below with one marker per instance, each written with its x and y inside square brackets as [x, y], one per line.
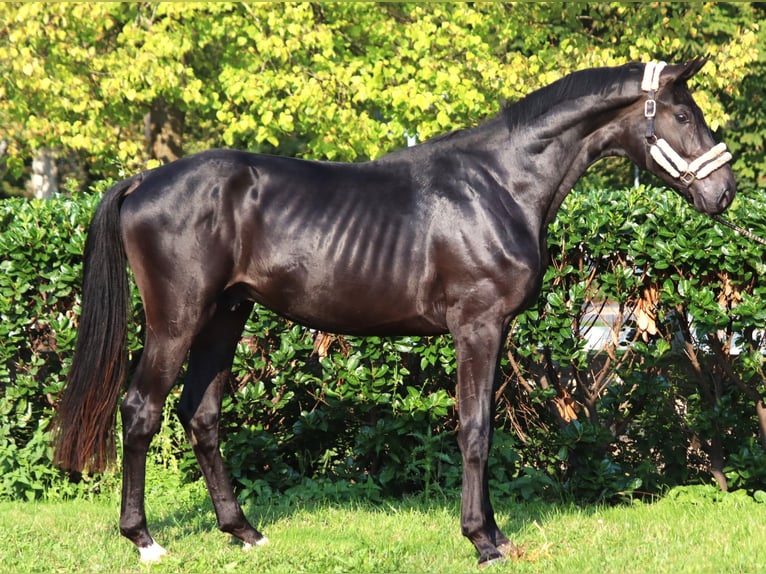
[662, 152]
[652, 71]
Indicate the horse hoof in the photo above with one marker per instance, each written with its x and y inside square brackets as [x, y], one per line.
[152, 554]
[260, 542]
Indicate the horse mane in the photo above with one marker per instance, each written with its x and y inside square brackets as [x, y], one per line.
[589, 82]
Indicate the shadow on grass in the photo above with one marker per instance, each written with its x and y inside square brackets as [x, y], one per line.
[193, 515]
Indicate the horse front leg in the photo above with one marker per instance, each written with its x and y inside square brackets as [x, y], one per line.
[477, 346]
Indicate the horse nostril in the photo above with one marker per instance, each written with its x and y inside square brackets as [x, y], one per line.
[726, 196]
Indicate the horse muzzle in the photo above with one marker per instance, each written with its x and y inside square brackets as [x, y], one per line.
[713, 194]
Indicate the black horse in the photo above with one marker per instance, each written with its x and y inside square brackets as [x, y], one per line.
[445, 237]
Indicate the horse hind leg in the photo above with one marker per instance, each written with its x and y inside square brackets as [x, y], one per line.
[141, 411]
[210, 363]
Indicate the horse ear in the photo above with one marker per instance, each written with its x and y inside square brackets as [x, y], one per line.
[682, 72]
[692, 67]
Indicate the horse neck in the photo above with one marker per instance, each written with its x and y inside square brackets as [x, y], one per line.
[554, 150]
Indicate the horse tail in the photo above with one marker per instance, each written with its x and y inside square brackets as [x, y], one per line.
[83, 427]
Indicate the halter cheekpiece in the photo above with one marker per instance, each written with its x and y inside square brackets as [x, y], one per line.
[661, 151]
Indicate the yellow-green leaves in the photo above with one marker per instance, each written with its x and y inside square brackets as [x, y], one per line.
[341, 81]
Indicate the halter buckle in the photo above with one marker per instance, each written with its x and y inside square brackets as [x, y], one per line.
[687, 178]
[650, 108]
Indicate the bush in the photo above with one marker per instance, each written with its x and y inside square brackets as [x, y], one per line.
[667, 398]
[675, 388]
[40, 259]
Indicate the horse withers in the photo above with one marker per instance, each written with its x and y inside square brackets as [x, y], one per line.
[448, 236]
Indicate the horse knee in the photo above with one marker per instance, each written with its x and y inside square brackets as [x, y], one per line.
[474, 445]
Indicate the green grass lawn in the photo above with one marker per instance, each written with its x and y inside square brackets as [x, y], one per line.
[682, 534]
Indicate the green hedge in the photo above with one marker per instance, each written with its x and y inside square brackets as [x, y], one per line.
[670, 399]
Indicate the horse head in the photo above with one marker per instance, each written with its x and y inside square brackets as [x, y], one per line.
[679, 147]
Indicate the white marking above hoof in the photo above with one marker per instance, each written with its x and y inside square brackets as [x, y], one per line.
[492, 562]
[260, 542]
[152, 553]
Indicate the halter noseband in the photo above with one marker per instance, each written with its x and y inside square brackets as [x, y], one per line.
[661, 151]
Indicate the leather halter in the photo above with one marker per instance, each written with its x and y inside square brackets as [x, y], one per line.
[662, 152]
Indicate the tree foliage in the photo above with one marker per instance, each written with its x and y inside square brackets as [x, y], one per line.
[345, 81]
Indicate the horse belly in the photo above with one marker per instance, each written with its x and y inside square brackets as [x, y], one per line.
[324, 290]
[360, 310]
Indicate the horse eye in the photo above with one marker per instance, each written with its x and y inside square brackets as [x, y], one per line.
[682, 118]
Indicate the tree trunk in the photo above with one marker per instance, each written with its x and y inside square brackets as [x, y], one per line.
[44, 180]
[3, 149]
[716, 454]
[760, 409]
[163, 130]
